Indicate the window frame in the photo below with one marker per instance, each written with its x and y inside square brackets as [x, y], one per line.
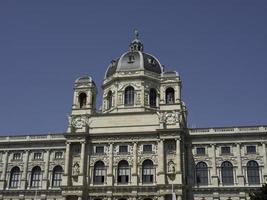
[57, 176]
[249, 147]
[199, 153]
[129, 96]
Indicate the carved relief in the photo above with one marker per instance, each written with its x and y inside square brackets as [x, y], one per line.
[76, 169]
[168, 117]
[171, 167]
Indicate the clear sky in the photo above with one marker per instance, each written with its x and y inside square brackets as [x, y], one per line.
[218, 47]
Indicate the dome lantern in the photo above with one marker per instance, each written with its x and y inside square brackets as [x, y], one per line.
[136, 44]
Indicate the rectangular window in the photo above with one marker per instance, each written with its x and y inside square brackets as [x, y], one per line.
[37, 156]
[201, 151]
[16, 156]
[58, 155]
[123, 149]
[251, 149]
[99, 149]
[225, 150]
[147, 148]
[171, 146]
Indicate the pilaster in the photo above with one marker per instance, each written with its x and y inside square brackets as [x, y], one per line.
[46, 171]
[134, 169]
[110, 167]
[161, 162]
[265, 162]
[240, 176]
[25, 170]
[66, 177]
[82, 162]
[214, 176]
[3, 176]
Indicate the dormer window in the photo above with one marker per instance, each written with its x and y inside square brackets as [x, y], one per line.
[131, 58]
[169, 95]
[129, 96]
[82, 100]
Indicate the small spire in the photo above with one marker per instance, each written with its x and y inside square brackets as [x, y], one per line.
[136, 33]
[136, 44]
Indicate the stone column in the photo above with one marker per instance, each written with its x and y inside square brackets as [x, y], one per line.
[214, 176]
[264, 161]
[3, 176]
[240, 176]
[46, 171]
[82, 158]
[110, 166]
[25, 171]
[161, 162]
[134, 172]
[82, 162]
[67, 174]
[178, 155]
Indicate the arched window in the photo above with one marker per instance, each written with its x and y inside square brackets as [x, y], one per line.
[99, 172]
[109, 100]
[123, 172]
[253, 172]
[82, 100]
[202, 173]
[57, 176]
[169, 95]
[14, 177]
[148, 171]
[129, 96]
[227, 173]
[36, 177]
[152, 98]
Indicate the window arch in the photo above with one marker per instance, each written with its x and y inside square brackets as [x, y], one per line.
[123, 172]
[202, 173]
[99, 172]
[169, 98]
[36, 177]
[227, 173]
[109, 98]
[129, 96]
[82, 100]
[57, 176]
[14, 177]
[152, 98]
[253, 172]
[148, 171]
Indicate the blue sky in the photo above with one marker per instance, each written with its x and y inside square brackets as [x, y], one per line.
[218, 47]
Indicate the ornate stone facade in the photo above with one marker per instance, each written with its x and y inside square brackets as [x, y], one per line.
[137, 147]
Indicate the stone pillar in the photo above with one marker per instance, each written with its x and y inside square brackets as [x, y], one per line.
[82, 157]
[240, 176]
[82, 162]
[161, 162]
[3, 176]
[46, 171]
[178, 155]
[110, 166]
[66, 179]
[265, 162]
[134, 172]
[25, 171]
[214, 176]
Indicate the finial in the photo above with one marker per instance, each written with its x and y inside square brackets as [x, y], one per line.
[136, 33]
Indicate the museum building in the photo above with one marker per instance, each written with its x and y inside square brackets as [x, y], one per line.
[136, 147]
